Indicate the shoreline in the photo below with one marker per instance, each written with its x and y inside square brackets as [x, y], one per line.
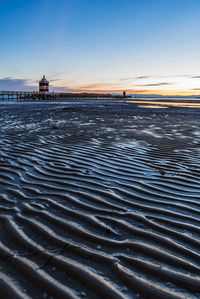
[143, 107]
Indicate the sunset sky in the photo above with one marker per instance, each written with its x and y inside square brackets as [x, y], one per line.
[142, 46]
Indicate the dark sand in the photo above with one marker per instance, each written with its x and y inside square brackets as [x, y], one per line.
[99, 200]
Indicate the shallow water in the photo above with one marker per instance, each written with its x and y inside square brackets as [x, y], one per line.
[99, 201]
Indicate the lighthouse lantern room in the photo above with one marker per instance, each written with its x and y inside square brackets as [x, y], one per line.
[43, 85]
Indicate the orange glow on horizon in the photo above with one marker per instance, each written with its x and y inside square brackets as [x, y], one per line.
[142, 92]
[119, 88]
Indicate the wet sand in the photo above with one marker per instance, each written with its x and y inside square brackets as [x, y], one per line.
[99, 200]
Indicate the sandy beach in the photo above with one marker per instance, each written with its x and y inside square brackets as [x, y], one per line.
[99, 200]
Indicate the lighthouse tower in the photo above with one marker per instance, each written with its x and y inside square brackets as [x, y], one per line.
[43, 86]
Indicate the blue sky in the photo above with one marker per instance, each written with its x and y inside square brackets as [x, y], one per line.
[146, 46]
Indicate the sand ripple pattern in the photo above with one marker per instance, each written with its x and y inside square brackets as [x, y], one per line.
[98, 206]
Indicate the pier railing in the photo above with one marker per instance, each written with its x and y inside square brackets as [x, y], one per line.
[53, 96]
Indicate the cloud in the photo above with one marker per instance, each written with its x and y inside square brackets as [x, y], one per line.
[11, 84]
[157, 77]
[126, 79]
[156, 84]
[54, 80]
[16, 84]
[143, 77]
[195, 77]
[100, 86]
[135, 78]
[173, 76]
[63, 89]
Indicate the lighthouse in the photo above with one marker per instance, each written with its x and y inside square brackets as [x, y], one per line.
[43, 85]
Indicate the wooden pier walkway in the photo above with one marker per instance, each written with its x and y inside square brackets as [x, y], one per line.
[16, 96]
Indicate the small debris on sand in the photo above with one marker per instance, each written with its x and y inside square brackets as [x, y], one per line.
[162, 172]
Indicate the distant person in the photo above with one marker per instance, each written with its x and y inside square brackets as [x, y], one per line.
[124, 94]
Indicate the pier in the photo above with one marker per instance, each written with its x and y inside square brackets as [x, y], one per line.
[25, 96]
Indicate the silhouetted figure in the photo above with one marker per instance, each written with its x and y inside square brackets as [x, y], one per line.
[124, 93]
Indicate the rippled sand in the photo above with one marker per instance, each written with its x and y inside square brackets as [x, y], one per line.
[99, 201]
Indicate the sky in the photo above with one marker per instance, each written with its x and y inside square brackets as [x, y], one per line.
[141, 46]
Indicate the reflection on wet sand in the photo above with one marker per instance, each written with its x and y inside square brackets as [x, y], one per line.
[165, 104]
[153, 106]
